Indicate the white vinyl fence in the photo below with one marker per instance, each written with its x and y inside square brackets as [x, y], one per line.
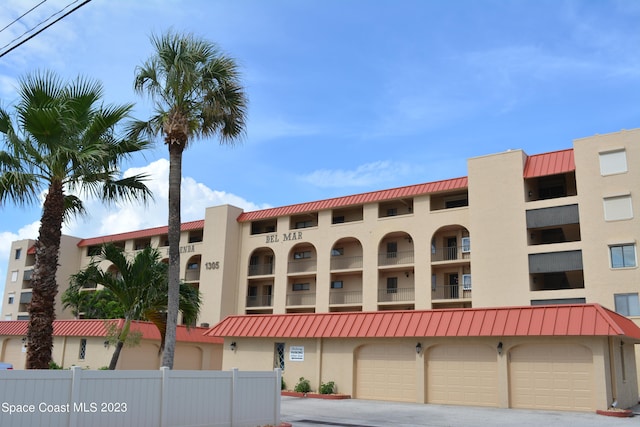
[164, 398]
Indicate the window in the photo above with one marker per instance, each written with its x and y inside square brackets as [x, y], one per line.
[83, 349]
[337, 284]
[302, 255]
[392, 250]
[18, 252]
[14, 276]
[338, 219]
[623, 256]
[392, 212]
[627, 304]
[433, 283]
[392, 285]
[93, 250]
[466, 282]
[278, 355]
[618, 208]
[12, 298]
[613, 162]
[193, 266]
[300, 287]
[337, 251]
[466, 245]
[304, 224]
[253, 291]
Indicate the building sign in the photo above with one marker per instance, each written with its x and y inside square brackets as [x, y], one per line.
[296, 353]
[275, 238]
[212, 265]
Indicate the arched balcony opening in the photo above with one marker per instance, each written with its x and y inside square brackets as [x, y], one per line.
[192, 273]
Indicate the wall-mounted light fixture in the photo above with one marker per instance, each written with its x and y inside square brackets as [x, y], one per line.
[499, 348]
[418, 348]
[233, 346]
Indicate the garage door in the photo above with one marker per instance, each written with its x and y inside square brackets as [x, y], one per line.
[386, 372]
[558, 377]
[462, 375]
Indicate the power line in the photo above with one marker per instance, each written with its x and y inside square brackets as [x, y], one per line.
[22, 16]
[42, 29]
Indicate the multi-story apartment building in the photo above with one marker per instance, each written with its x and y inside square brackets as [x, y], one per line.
[553, 228]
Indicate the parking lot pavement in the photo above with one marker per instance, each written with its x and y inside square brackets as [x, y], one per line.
[302, 412]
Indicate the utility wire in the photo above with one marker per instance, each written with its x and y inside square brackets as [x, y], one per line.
[22, 16]
[42, 29]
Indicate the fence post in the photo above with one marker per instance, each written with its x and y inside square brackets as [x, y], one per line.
[164, 396]
[76, 377]
[234, 394]
[278, 375]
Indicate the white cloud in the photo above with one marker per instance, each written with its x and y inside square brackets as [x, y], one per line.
[363, 176]
[196, 197]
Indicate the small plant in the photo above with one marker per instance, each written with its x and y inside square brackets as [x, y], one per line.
[303, 386]
[327, 388]
[54, 365]
[283, 385]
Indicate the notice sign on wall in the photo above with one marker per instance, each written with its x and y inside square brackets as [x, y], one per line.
[296, 353]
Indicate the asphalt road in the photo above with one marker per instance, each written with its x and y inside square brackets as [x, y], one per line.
[302, 412]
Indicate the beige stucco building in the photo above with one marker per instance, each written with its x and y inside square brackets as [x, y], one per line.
[518, 230]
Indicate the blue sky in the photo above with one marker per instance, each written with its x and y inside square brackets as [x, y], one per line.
[346, 96]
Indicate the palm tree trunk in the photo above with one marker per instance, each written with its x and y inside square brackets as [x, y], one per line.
[175, 179]
[43, 281]
[122, 337]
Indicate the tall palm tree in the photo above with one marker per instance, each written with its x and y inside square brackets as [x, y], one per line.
[61, 140]
[197, 93]
[140, 287]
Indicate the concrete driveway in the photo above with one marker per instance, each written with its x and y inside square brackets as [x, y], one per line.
[368, 413]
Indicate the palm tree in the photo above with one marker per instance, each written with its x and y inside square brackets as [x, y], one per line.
[61, 139]
[197, 93]
[140, 287]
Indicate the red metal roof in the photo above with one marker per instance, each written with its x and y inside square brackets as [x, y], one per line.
[549, 163]
[550, 320]
[357, 199]
[149, 232]
[97, 328]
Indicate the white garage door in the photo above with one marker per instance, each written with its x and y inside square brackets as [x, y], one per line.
[462, 375]
[557, 377]
[386, 372]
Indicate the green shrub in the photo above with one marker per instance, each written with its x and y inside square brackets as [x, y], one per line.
[303, 386]
[327, 388]
[54, 365]
[283, 385]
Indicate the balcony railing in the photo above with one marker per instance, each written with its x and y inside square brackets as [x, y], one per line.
[395, 258]
[260, 301]
[450, 292]
[345, 297]
[260, 269]
[449, 253]
[306, 266]
[396, 295]
[192, 275]
[345, 263]
[297, 298]
[27, 275]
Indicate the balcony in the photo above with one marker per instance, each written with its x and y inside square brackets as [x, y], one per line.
[346, 263]
[260, 301]
[395, 258]
[396, 295]
[27, 275]
[298, 298]
[302, 266]
[451, 292]
[192, 275]
[450, 253]
[261, 269]
[345, 297]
